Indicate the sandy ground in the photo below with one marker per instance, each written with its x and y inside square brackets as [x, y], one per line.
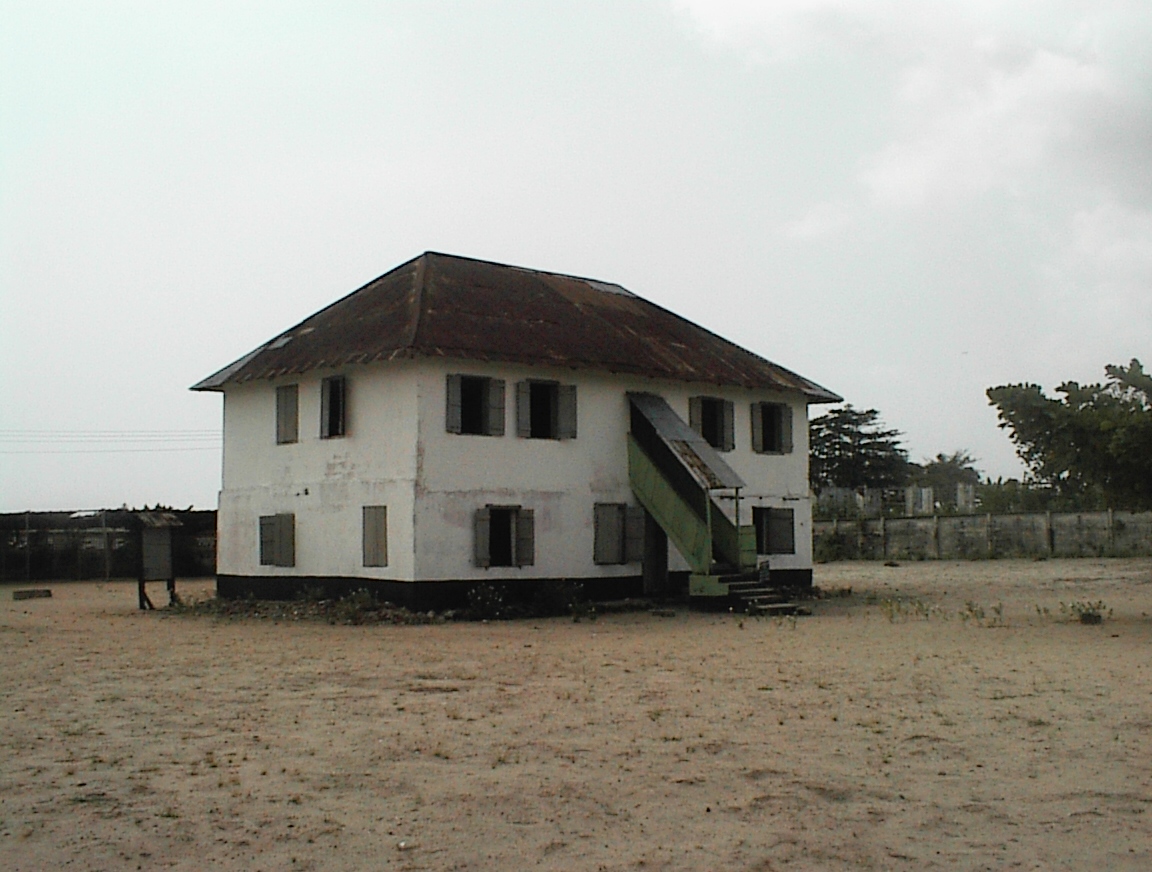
[893, 729]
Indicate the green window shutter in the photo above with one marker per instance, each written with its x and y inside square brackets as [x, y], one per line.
[452, 414]
[496, 407]
[633, 534]
[757, 412]
[375, 535]
[268, 540]
[608, 533]
[566, 414]
[525, 520]
[696, 414]
[729, 439]
[286, 540]
[786, 429]
[523, 409]
[481, 526]
[287, 414]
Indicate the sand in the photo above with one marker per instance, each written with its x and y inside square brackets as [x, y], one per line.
[894, 729]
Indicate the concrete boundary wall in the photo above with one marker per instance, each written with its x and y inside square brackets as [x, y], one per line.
[971, 537]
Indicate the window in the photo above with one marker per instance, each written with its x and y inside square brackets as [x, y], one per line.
[711, 417]
[475, 405]
[545, 410]
[775, 530]
[505, 536]
[333, 407]
[287, 419]
[618, 533]
[375, 536]
[278, 540]
[771, 428]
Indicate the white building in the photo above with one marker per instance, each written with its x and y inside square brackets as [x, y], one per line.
[457, 421]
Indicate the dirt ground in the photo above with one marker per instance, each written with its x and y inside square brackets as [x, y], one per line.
[936, 718]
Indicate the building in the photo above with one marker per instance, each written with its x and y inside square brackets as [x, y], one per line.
[457, 421]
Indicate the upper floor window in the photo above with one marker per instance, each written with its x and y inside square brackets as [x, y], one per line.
[771, 428]
[545, 410]
[287, 417]
[712, 418]
[333, 407]
[475, 405]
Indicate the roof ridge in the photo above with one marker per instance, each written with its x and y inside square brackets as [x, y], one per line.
[418, 281]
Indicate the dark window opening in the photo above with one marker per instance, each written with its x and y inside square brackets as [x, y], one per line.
[333, 406]
[771, 428]
[775, 530]
[543, 408]
[711, 417]
[473, 405]
[500, 537]
[771, 416]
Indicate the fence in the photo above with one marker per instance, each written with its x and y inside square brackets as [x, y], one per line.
[45, 546]
[967, 537]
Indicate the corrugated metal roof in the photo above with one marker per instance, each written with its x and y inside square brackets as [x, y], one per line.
[441, 305]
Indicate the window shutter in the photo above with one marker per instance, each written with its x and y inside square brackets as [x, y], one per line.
[375, 538]
[729, 441]
[286, 540]
[287, 417]
[781, 532]
[268, 540]
[786, 429]
[452, 415]
[525, 538]
[566, 415]
[480, 526]
[607, 523]
[633, 534]
[757, 412]
[496, 407]
[523, 409]
[325, 407]
[696, 414]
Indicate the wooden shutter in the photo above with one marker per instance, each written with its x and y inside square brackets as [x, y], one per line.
[525, 521]
[325, 407]
[375, 536]
[495, 407]
[786, 429]
[608, 533]
[481, 526]
[287, 414]
[757, 412]
[452, 415]
[728, 440]
[633, 534]
[523, 409]
[696, 414]
[286, 540]
[781, 531]
[566, 412]
[268, 540]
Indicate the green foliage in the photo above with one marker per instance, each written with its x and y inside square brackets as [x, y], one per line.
[1093, 444]
[850, 449]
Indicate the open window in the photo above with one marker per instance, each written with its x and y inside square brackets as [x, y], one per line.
[505, 536]
[475, 405]
[771, 428]
[712, 418]
[333, 407]
[278, 540]
[545, 410]
[775, 530]
[287, 414]
[375, 535]
[618, 533]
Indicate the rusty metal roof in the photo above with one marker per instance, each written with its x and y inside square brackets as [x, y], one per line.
[441, 305]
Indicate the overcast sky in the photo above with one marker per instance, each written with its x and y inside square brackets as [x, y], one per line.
[905, 201]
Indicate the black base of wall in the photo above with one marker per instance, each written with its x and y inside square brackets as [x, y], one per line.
[417, 595]
[791, 579]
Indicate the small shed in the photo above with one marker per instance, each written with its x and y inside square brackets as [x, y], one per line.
[155, 531]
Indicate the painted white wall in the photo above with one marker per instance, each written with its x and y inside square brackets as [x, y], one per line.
[397, 452]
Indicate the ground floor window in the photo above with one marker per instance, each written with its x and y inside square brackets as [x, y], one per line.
[618, 533]
[505, 536]
[375, 535]
[278, 540]
[775, 530]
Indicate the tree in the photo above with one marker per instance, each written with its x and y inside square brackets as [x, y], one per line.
[945, 472]
[850, 449]
[1092, 445]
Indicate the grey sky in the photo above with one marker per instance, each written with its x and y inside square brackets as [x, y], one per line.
[907, 202]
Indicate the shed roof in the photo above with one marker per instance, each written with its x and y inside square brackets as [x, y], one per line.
[442, 305]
